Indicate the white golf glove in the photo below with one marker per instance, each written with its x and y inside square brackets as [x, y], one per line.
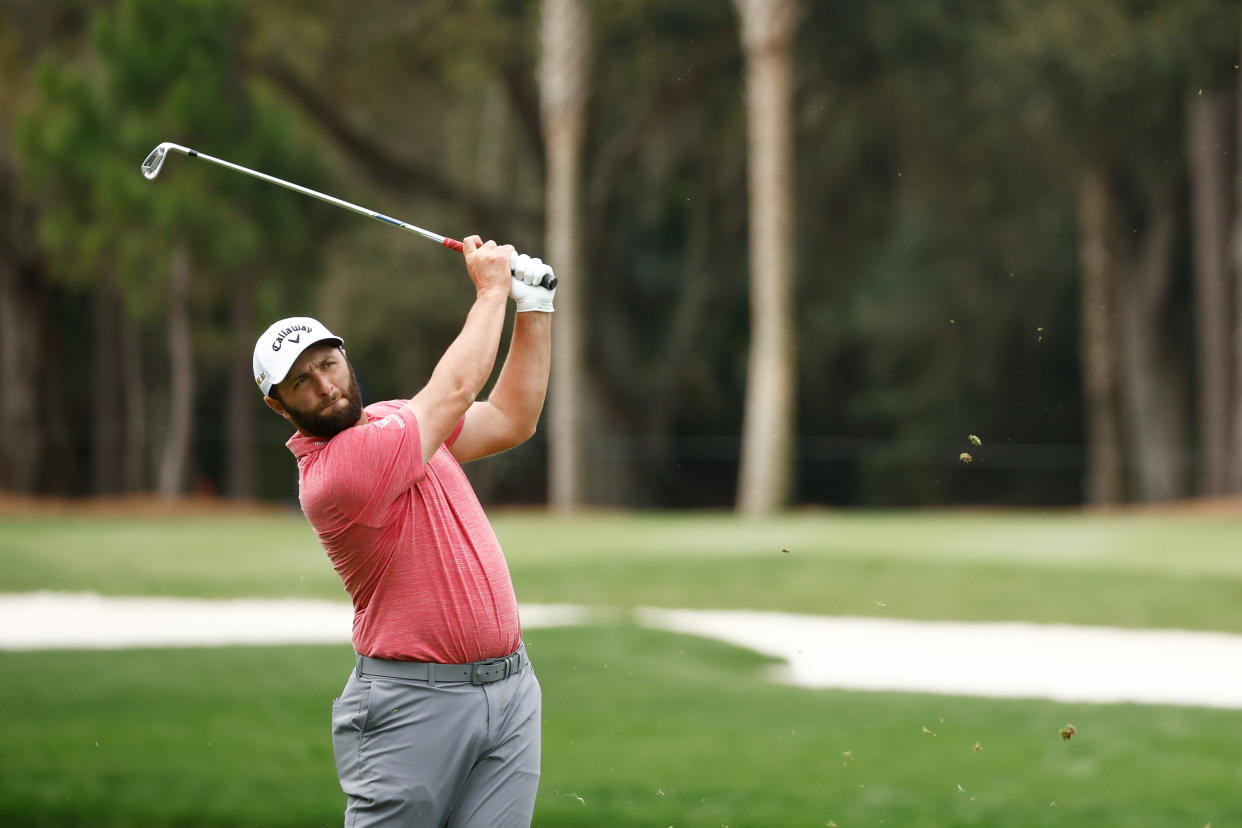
[525, 287]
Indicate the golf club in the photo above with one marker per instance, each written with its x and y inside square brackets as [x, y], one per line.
[155, 161]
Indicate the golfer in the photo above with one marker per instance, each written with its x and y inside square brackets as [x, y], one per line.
[439, 722]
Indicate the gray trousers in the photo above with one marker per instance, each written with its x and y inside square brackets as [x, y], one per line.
[410, 753]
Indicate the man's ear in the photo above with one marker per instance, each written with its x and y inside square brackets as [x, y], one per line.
[275, 405]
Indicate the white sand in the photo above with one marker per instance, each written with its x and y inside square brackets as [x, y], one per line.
[59, 621]
[1059, 662]
[1010, 660]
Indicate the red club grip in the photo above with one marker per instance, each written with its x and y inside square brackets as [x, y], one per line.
[548, 282]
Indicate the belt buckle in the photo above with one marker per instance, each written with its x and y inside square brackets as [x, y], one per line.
[477, 679]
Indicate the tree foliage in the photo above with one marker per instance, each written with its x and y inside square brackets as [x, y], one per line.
[941, 147]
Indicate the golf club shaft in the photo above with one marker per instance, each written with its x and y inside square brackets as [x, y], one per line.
[151, 168]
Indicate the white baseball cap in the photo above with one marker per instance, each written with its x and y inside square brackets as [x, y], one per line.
[282, 343]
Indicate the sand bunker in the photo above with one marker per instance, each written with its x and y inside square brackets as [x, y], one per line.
[1004, 660]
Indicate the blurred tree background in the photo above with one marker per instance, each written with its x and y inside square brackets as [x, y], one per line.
[1017, 219]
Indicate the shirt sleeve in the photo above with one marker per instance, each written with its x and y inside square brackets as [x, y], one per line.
[370, 466]
[456, 431]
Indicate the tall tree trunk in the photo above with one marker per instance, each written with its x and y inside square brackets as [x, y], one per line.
[1154, 389]
[107, 403]
[175, 460]
[1208, 143]
[1100, 342]
[1236, 468]
[766, 473]
[20, 439]
[563, 85]
[239, 426]
[24, 366]
[137, 441]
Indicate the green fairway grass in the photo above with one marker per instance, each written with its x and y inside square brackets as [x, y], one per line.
[1135, 571]
[211, 736]
[641, 727]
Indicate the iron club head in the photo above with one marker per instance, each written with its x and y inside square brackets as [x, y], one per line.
[151, 167]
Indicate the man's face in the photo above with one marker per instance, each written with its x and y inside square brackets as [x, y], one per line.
[320, 395]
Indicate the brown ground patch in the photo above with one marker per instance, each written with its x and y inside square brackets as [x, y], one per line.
[1197, 507]
[148, 505]
[128, 506]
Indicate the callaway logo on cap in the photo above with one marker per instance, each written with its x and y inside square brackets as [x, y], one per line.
[282, 343]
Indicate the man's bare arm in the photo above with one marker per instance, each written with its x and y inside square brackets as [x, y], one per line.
[511, 413]
[467, 363]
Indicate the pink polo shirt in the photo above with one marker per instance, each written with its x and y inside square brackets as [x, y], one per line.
[410, 542]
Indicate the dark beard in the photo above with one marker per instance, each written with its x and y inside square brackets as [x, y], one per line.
[327, 425]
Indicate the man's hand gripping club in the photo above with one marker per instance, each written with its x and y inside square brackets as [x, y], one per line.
[527, 273]
[510, 414]
[526, 287]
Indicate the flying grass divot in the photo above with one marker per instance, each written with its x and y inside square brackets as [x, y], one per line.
[965, 456]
